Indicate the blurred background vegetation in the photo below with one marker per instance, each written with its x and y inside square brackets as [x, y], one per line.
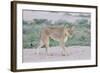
[81, 35]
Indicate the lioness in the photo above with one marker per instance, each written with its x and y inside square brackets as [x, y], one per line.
[59, 34]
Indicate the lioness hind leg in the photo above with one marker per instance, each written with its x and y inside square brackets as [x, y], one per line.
[38, 49]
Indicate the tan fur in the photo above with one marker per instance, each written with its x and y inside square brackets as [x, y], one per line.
[59, 34]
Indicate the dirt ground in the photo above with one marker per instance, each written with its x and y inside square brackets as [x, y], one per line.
[55, 54]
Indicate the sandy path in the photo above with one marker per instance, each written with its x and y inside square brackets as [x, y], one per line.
[55, 54]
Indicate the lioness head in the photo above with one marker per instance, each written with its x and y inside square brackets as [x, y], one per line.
[69, 31]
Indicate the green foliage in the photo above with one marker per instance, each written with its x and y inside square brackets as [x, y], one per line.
[25, 22]
[31, 33]
[83, 21]
[40, 21]
[53, 42]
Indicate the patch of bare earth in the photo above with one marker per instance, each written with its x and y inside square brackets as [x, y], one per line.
[55, 54]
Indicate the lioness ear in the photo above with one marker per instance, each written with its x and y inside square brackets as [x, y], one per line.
[72, 28]
[65, 26]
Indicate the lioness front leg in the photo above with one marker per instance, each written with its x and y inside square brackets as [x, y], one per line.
[46, 49]
[62, 44]
[46, 43]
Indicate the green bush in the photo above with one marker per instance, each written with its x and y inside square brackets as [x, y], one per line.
[31, 34]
